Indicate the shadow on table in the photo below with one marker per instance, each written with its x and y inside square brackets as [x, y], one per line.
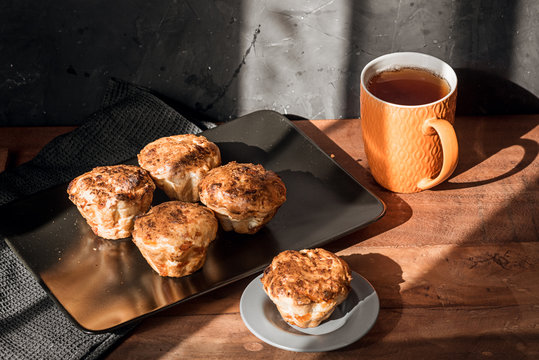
[476, 146]
[385, 275]
[494, 104]
[478, 294]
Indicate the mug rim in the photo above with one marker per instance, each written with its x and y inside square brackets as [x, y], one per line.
[443, 64]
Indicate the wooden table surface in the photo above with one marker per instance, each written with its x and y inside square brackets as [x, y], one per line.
[456, 267]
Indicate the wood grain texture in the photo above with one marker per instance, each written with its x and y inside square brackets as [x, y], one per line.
[455, 267]
[3, 158]
[24, 143]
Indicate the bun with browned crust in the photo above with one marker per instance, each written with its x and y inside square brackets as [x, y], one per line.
[307, 285]
[174, 237]
[244, 197]
[178, 163]
[109, 198]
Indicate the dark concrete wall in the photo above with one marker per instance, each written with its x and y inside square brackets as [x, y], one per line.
[227, 58]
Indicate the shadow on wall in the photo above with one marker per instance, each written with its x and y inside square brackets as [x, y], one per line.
[484, 42]
[482, 93]
[58, 56]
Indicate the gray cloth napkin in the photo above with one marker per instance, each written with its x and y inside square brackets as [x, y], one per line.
[31, 326]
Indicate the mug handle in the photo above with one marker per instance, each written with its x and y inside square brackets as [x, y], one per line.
[450, 149]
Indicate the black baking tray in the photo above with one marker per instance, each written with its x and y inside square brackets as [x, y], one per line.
[104, 284]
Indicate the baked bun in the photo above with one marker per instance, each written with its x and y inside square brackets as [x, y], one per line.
[177, 163]
[109, 198]
[244, 197]
[307, 285]
[174, 236]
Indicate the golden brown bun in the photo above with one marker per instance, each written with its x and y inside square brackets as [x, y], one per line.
[244, 197]
[109, 198]
[177, 163]
[307, 285]
[174, 236]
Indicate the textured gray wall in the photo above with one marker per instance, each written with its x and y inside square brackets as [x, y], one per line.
[227, 58]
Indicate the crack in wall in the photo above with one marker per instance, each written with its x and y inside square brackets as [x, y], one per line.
[235, 74]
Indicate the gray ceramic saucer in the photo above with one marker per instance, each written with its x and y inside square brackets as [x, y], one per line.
[262, 318]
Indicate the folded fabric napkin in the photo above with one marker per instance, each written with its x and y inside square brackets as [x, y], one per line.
[31, 326]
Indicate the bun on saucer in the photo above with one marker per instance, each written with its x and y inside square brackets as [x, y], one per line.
[307, 285]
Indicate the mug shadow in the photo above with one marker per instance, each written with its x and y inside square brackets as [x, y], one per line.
[489, 101]
[476, 147]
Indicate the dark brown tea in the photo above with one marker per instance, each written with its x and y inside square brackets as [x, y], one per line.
[408, 86]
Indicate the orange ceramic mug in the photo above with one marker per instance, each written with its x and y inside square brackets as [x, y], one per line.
[409, 147]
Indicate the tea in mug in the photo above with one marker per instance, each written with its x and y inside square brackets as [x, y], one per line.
[408, 86]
